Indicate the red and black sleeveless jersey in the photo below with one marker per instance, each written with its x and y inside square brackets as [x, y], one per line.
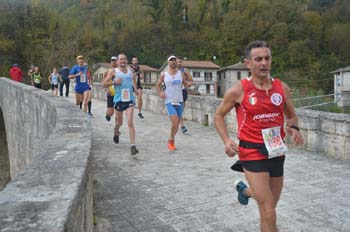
[259, 109]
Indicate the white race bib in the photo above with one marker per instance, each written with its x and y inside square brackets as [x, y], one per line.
[83, 77]
[175, 103]
[274, 142]
[125, 95]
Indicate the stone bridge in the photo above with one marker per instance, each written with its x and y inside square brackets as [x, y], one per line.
[44, 160]
[50, 165]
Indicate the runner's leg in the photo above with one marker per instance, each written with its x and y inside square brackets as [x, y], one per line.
[130, 117]
[174, 125]
[260, 190]
[85, 101]
[139, 100]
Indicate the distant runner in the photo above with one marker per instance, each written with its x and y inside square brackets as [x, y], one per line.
[36, 78]
[184, 90]
[53, 80]
[139, 74]
[110, 91]
[79, 72]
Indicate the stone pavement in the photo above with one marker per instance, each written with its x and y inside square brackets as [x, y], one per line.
[191, 189]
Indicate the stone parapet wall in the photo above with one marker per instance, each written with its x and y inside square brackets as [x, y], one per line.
[327, 133]
[49, 145]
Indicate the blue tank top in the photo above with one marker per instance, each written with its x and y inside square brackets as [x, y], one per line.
[124, 91]
[81, 79]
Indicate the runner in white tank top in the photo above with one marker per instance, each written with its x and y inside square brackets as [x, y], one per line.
[173, 97]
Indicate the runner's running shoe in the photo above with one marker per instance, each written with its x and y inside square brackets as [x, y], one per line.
[133, 150]
[241, 187]
[171, 145]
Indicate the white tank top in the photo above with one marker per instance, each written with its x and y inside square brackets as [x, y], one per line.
[173, 91]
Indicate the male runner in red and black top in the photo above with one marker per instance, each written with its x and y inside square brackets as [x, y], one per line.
[139, 74]
[262, 104]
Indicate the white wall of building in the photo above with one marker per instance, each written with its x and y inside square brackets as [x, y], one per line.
[342, 88]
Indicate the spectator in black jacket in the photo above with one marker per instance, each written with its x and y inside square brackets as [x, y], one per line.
[64, 73]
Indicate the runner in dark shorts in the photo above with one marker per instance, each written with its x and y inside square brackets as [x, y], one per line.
[184, 89]
[110, 91]
[139, 74]
[265, 114]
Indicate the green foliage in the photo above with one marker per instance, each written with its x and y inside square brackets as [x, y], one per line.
[309, 38]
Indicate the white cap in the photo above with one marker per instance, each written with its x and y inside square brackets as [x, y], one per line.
[171, 57]
[113, 58]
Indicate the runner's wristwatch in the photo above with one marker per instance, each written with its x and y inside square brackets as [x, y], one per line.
[295, 127]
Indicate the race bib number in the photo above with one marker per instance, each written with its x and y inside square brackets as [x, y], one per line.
[125, 95]
[175, 103]
[37, 81]
[55, 82]
[83, 77]
[274, 142]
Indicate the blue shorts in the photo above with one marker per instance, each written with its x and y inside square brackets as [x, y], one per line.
[81, 88]
[174, 109]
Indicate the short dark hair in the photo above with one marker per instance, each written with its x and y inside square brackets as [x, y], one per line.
[121, 54]
[179, 57]
[254, 44]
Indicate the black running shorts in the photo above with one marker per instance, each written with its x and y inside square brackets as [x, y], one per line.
[185, 94]
[273, 166]
[110, 102]
[121, 106]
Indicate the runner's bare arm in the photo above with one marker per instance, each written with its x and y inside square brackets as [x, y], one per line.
[142, 75]
[188, 75]
[72, 76]
[159, 85]
[291, 117]
[108, 80]
[187, 82]
[232, 96]
[49, 78]
[134, 75]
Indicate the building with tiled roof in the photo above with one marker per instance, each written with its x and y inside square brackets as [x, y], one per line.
[230, 75]
[150, 74]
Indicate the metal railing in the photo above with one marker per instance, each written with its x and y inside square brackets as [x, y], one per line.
[307, 102]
